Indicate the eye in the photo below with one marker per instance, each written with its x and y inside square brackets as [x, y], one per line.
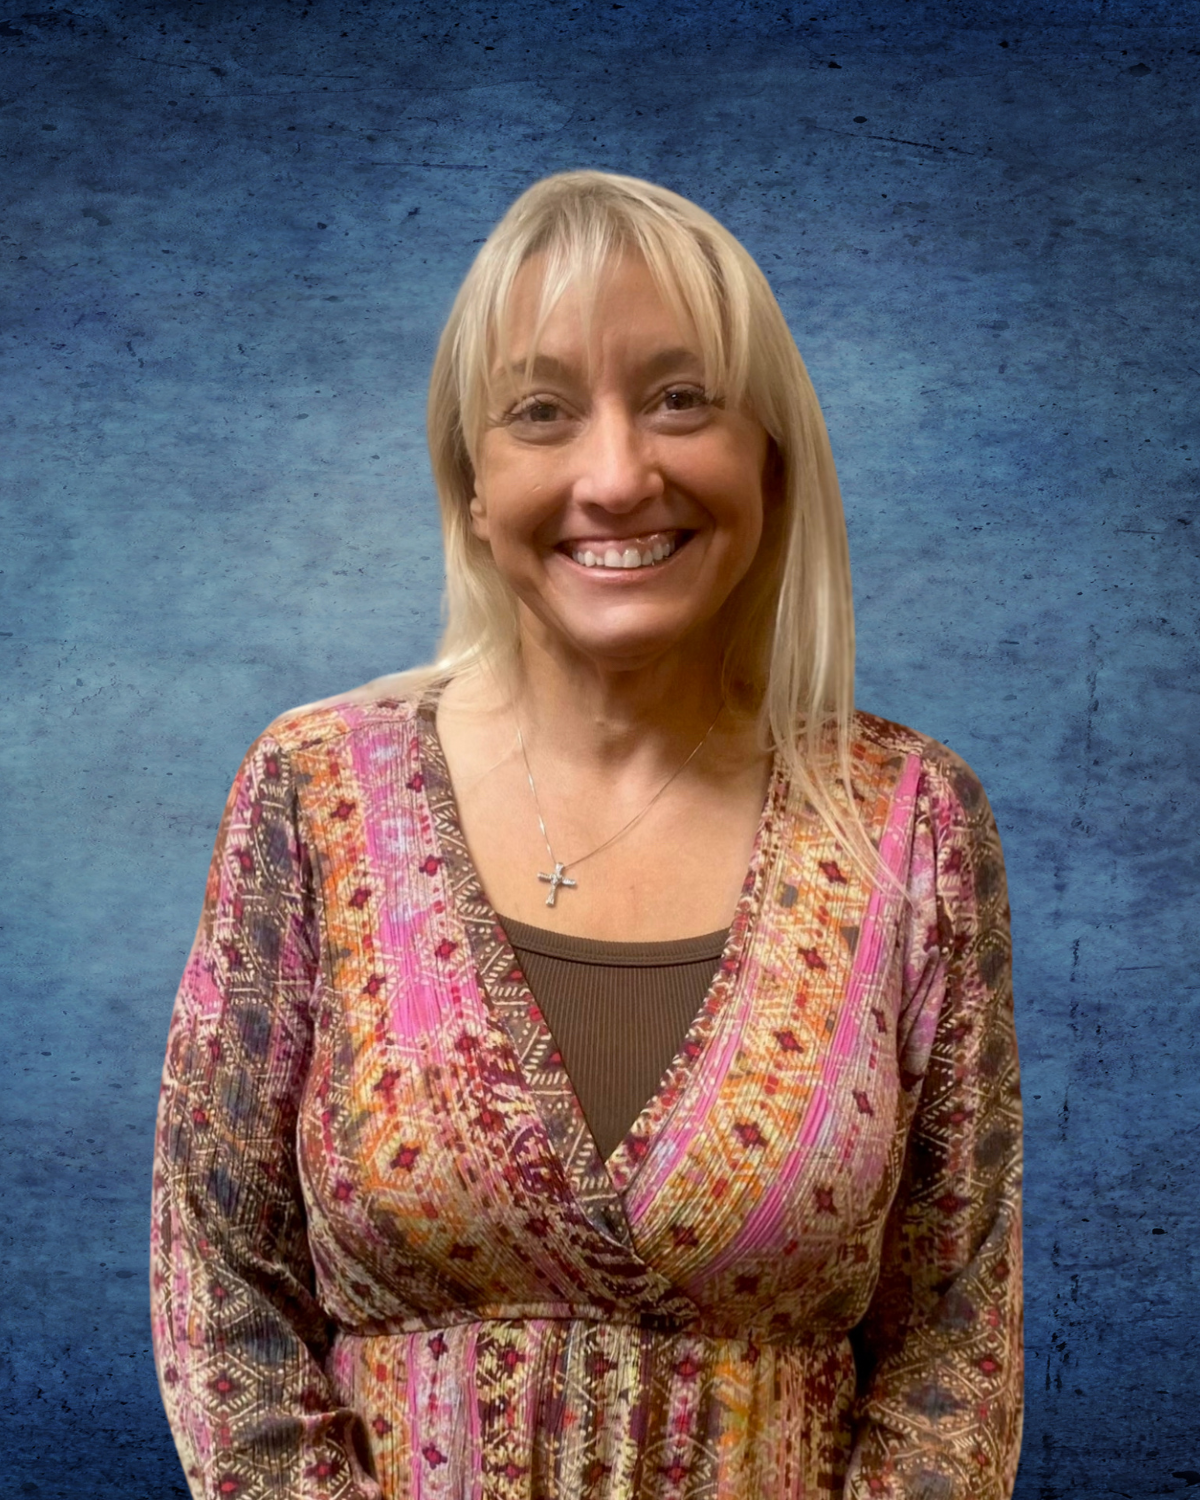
[684, 398]
[537, 410]
[682, 408]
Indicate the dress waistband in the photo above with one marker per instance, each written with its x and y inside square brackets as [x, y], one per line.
[777, 1332]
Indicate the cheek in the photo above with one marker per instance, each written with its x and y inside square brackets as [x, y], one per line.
[749, 533]
[512, 497]
[506, 522]
[746, 510]
[733, 476]
[755, 533]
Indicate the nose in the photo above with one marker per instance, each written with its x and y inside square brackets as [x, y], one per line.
[617, 465]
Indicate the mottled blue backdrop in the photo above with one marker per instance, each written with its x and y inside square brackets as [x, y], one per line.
[230, 235]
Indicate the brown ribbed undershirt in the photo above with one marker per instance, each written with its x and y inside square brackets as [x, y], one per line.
[618, 1011]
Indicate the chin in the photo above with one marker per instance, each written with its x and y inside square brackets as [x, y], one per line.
[631, 656]
[626, 649]
[621, 635]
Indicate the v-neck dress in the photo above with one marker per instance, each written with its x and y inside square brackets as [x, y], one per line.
[388, 1260]
[618, 1012]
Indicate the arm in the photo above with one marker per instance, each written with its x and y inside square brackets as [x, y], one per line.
[940, 1350]
[239, 1335]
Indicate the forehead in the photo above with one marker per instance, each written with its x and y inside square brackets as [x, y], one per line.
[618, 305]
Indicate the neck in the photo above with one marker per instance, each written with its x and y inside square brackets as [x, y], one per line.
[608, 714]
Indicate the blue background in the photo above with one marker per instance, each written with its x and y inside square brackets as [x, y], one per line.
[230, 236]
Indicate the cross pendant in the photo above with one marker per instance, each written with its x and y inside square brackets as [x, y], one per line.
[555, 880]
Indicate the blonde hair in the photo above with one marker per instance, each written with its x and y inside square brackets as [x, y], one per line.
[789, 655]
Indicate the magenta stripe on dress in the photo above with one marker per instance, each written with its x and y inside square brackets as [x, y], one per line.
[762, 1222]
[417, 1005]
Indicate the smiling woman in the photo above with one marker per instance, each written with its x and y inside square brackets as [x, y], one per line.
[594, 1075]
[609, 451]
[622, 502]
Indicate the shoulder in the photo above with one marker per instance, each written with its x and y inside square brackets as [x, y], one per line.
[956, 841]
[945, 779]
[385, 705]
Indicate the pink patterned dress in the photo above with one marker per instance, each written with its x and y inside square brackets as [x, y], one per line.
[389, 1262]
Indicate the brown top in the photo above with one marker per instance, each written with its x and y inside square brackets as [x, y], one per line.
[618, 1011]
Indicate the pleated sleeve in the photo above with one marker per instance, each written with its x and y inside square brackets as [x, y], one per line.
[239, 1335]
[940, 1350]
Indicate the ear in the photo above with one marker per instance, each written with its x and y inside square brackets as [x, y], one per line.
[479, 523]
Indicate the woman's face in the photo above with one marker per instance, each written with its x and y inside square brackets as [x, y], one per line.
[621, 501]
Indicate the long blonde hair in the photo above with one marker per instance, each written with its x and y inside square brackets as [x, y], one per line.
[789, 654]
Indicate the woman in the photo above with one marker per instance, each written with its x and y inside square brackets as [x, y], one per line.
[695, 1171]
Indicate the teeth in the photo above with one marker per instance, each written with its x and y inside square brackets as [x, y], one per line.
[628, 557]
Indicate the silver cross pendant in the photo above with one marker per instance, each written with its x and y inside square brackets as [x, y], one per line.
[555, 880]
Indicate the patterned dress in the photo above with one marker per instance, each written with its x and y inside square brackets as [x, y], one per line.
[388, 1262]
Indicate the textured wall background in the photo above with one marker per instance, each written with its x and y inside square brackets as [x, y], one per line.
[229, 238]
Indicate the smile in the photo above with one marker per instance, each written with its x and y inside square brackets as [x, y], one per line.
[625, 552]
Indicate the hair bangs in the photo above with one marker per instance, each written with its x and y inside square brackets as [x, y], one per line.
[578, 237]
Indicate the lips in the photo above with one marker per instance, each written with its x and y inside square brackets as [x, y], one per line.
[624, 553]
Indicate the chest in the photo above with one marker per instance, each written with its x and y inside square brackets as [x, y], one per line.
[640, 867]
[439, 1135]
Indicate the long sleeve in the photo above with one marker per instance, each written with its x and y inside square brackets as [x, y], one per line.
[940, 1350]
[239, 1334]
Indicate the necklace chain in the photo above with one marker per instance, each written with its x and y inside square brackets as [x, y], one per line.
[558, 876]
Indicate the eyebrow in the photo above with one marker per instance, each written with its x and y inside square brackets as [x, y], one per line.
[547, 367]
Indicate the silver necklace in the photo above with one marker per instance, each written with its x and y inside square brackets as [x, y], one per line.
[558, 875]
